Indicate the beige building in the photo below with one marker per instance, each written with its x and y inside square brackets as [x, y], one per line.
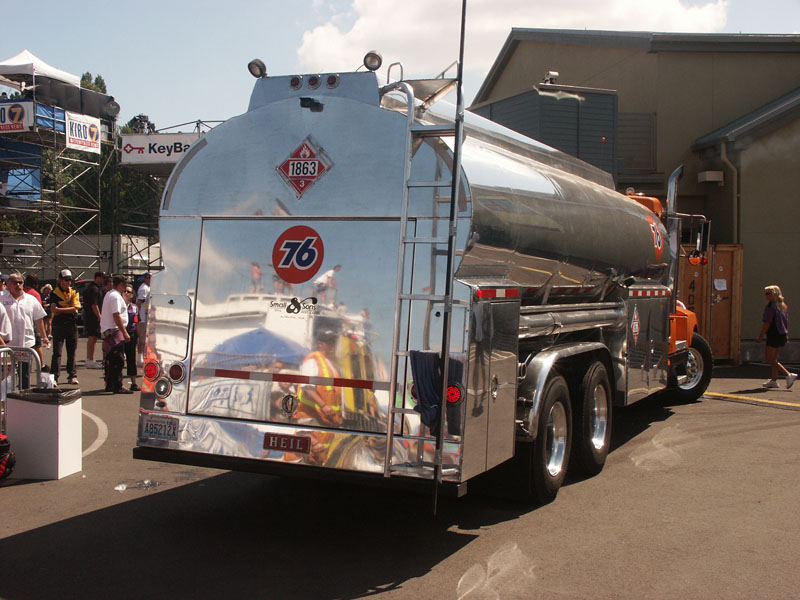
[725, 106]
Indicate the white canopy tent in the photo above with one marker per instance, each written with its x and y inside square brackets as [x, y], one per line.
[24, 68]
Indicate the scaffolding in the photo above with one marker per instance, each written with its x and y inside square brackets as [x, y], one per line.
[50, 198]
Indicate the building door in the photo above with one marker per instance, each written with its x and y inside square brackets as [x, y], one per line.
[714, 292]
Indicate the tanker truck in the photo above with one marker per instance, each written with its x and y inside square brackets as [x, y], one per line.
[363, 283]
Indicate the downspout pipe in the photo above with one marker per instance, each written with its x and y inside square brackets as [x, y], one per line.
[723, 153]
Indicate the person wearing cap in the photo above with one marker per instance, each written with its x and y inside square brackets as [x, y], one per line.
[92, 296]
[26, 315]
[64, 304]
[142, 306]
[113, 326]
[3, 279]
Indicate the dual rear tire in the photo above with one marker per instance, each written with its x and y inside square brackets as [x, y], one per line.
[577, 440]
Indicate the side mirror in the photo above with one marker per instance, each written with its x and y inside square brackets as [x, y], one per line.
[703, 236]
[698, 255]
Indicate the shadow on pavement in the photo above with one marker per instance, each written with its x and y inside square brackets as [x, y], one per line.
[242, 535]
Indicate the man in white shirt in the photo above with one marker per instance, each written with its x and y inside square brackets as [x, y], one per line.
[25, 314]
[113, 320]
[142, 306]
[325, 283]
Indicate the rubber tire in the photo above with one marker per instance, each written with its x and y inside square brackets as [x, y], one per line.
[701, 352]
[544, 484]
[586, 458]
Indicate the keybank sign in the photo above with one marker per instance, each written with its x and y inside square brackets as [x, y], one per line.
[156, 148]
[83, 132]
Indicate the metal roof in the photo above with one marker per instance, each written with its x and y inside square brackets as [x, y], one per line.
[647, 41]
[761, 121]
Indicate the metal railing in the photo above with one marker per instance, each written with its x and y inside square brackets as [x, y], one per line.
[11, 360]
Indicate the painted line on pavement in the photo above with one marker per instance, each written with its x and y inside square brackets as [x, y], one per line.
[102, 433]
[751, 399]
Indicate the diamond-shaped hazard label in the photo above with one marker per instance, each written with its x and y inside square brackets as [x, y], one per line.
[304, 166]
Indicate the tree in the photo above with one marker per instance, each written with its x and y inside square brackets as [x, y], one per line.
[96, 85]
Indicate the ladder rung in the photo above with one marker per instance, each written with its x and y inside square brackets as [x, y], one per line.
[404, 411]
[429, 297]
[402, 353]
[433, 130]
[430, 184]
[411, 465]
[426, 240]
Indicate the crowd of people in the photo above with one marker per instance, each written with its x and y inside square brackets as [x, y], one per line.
[111, 309]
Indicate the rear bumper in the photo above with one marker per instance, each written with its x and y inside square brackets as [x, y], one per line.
[232, 463]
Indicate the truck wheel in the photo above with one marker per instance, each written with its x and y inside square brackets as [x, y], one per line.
[690, 380]
[554, 437]
[592, 438]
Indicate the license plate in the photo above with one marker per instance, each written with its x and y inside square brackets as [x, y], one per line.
[160, 427]
[287, 443]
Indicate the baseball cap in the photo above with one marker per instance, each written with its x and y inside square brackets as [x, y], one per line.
[148, 274]
[4, 277]
[65, 273]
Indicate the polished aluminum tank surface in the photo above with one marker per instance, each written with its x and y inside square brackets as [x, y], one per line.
[552, 224]
[538, 218]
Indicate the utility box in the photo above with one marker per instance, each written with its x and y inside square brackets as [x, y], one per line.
[44, 426]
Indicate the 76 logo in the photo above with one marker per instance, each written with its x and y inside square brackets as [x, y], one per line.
[301, 254]
[297, 254]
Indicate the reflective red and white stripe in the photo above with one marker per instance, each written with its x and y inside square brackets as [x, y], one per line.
[497, 293]
[292, 378]
[649, 293]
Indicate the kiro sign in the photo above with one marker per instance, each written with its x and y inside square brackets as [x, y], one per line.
[156, 148]
[83, 132]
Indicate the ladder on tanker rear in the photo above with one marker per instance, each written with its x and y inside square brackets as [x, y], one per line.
[404, 299]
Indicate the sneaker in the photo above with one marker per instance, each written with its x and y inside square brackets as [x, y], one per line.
[771, 383]
[135, 388]
[123, 391]
[790, 379]
[93, 364]
[72, 381]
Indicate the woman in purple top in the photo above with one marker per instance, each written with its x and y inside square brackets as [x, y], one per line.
[776, 328]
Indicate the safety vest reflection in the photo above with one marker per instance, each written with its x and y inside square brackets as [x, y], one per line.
[330, 395]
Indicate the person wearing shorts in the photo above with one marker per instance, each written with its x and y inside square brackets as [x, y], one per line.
[776, 328]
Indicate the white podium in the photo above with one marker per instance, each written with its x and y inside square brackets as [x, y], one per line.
[45, 431]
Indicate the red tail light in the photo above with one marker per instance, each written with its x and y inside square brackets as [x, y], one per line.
[177, 372]
[453, 394]
[152, 370]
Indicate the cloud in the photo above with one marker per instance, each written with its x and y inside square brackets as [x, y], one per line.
[423, 35]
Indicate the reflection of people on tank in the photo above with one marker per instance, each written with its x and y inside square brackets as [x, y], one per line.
[321, 402]
[255, 278]
[281, 286]
[326, 282]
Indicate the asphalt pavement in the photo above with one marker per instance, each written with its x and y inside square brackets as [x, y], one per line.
[696, 501]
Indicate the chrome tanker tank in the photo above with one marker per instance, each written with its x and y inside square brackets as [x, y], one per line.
[282, 231]
[529, 216]
[551, 224]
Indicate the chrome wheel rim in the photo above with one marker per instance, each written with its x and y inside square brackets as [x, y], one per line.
[557, 428]
[599, 412]
[694, 370]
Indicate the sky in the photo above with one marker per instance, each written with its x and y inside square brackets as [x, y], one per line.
[180, 61]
